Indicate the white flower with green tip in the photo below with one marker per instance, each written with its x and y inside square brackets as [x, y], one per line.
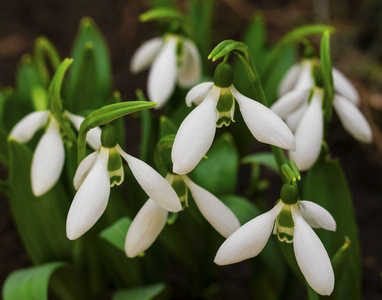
[216, 107]
[291, 221]
[103, 169]
[151, 218]
[49, 155]
[173, 59]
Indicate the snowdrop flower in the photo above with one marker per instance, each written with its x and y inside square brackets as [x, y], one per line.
[291, 221]
[103, 169]
[173, 59]
[301, 107]
[151, 218]
[49, 156]
[216, 107]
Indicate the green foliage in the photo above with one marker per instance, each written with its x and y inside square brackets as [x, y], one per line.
[116, 233]
[31, 283]
[141, 293]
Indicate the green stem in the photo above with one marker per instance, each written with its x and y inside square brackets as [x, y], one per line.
[146, 129]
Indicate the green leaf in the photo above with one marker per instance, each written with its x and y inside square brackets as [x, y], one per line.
[163, 14]
[141, 293]
[218, 173]
[105, 115]
[90, 77]
[40, 220]
[166, 127]
[326, 185]
[31, 283]
[116, 233]
[326, 69]
[243, 209]
[263, 158]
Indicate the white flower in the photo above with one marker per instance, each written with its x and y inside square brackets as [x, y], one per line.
[291, 223]
[103, 169]
[173, 59]
[301, 106]
[49, 156]
[151, 218]
[216, 106]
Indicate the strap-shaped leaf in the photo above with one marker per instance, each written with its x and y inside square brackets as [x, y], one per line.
[141, 293]
[326, 69]
[116, 233]
[31, 283]
[264, 158]
[105, 115]
[90, 76]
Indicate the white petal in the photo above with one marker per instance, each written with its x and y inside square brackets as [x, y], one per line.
[290, 102]
[93, 137]
[48, 160]
[264, 124]
[83, 169]
[163, 74]
[25, 129]
[155, 186]
[295, 117]
[317, 216]
[305, 79]
[352, 119]
[216, 212]
[343, 86]
[311, 256]
[190, 71]
[195, 135]
[145, 54]
[249, 239]
[289, 80]
[309, 134]
[198, 93]
[91, 199]
[145, 228]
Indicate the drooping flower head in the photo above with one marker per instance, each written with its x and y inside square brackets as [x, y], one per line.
[173, 59]
[216, 107]
[291, 220]
[49, 155]
[301, 105]
[103, 169]
[151, 218]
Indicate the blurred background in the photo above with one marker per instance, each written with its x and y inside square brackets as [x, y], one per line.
[356, 49]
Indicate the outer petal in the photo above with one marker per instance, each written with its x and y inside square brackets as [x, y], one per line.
[25, 129]
[158, 189]
[290, 102]
[289, 80]
[295, 117]
[145, 54]
[91, 199]
[195, 135]
[264, 124]
[305, 79]
[343, 86]
[311, 256]
[191, 70]
[216, 212]
[145, 228]
[48, 160]
[83, 169]
[317, 216]
[309, 134]
[93, 137]
[163, 74]
[249, 239]
[198, 93]
[352, 119]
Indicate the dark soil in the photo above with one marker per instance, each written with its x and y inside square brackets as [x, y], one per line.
[355, 52]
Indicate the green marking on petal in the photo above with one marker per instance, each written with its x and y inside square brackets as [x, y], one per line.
[115, 168]
[284, 227]
[225, 108]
